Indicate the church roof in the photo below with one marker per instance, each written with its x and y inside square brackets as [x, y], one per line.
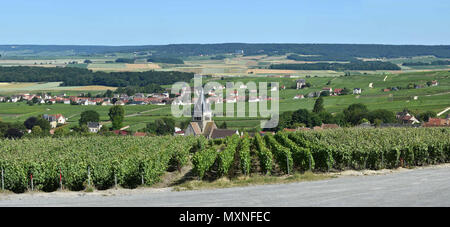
[222, 133]
[196, 128]
[210, 127]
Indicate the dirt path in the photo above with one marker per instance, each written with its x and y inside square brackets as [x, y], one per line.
[440, 113]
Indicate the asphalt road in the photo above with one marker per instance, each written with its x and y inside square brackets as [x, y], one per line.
[420, 187]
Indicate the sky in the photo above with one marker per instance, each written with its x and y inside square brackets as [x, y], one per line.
[139, 22]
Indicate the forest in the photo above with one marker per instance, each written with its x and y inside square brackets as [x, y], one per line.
[440, 62]
[354, 65]
[184, 50]
[82, 77]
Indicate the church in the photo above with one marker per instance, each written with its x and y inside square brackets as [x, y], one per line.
[202, 122]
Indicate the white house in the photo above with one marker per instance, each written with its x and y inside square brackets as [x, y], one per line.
[94, 127]
[357, 91]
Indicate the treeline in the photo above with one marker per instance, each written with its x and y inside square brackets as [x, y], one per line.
[82, 77]
[440, 62]
[354, 65]
[353, 115]
[177, 50]
[296, 57]
[131, 90]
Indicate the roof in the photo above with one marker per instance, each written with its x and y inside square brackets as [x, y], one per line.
[300, 81]
[222, 133]
[329, 126]
[93, 124]
[437, 122]
[120, 132]
[210, 127]
[195, 128]
[140, 134]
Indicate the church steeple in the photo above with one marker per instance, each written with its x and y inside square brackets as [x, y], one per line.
[202, 111]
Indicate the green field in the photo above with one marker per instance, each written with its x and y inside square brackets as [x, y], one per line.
[428, 98]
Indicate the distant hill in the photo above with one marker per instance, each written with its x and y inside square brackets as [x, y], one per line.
[183, 50]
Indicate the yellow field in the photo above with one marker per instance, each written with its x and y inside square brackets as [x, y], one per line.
[123, 67]
[271, 71]
[148, 66]
[92, 88]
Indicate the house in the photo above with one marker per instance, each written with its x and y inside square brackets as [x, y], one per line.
[300, 83]
[437, 122]
[406, 118]
[15, 98]
[120, 132]
[119, 103]
[94, 127]
[434, 83]
[337, 91]
[311, 95]
[357, 91]
[386, 90]
[54, 119]
[365, 125]
[329, 89]
[299, 96]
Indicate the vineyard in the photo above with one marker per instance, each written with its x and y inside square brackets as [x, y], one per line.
[98, 161]
[76, 163]
[323, 151]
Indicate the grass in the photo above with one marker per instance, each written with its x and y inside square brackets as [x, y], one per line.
[250, 181]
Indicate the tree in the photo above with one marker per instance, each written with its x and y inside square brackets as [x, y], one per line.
[326, 117]
[36, 131]
[355, 112]
[165, 126]
[318, 105]
[385, 116]
[87, 61]
[223, 125]
[89, 116]
[44, 125]
[60, 132]
[30, 122]
[306, 117]
[426, 116]
[116, 114]
[108, 93]
[285, 121]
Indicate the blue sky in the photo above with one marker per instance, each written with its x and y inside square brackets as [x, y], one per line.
[136, 22]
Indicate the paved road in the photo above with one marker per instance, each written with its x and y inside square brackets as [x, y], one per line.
[420, 187]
